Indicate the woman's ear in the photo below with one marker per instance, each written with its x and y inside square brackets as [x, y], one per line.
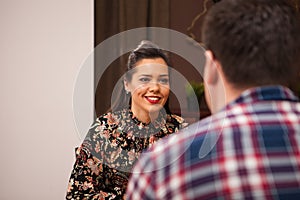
[126, 87]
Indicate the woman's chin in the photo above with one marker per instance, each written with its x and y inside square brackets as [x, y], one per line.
[155, 108]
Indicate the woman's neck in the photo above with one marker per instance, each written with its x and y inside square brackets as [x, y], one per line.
[145, 117]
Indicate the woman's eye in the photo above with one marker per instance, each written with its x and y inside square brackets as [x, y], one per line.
[164, 81]
[144, 80]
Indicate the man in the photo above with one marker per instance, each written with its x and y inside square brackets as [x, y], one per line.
[250, 147]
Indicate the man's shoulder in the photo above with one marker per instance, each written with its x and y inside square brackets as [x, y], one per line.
[187, 134]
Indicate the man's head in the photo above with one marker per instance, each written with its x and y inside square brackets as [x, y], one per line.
[255, 42]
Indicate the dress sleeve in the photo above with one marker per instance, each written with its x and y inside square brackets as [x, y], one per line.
[85, 177]
[90, 177]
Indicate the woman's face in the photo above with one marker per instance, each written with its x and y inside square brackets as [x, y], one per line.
[149, 87]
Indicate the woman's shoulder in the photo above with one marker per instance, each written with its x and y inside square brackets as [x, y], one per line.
[106, 121]
[110, 118]
[104, 125]
[176, 120]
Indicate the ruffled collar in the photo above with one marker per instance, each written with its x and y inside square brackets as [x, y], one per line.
[160, 120]
[143, 129]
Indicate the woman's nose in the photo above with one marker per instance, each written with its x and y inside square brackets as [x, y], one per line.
[154, 86]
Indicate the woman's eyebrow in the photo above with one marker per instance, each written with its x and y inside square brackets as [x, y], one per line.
[164, 75]
[149, 75]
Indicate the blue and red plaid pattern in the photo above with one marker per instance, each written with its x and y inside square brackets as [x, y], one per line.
[249, 150]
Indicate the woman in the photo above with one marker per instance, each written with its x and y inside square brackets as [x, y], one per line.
[115, 141]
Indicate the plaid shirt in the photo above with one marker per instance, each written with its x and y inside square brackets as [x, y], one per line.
[249, 150]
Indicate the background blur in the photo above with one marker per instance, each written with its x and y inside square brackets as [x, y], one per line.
[42, 46]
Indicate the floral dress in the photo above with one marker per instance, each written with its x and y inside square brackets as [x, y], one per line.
[112, 146]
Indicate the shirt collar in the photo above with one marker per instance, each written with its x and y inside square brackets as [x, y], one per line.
[265, 93]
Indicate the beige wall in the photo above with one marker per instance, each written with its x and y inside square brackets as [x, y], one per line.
[42, 47]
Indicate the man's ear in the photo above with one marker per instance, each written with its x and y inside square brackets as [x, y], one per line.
[211, 68]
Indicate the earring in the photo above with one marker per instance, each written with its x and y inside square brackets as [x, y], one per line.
[127, 92]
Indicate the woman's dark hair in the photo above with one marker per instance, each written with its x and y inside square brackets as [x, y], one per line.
[145, 50]
[257, 43]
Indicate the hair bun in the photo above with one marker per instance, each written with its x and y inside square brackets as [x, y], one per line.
[145, 44]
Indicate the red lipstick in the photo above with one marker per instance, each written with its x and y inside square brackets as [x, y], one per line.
[153, 99]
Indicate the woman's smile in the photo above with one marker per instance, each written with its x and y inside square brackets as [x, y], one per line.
[153, 99]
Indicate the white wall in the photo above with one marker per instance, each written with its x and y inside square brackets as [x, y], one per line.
[42, 47]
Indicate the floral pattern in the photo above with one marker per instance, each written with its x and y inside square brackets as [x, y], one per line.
[112, 146]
